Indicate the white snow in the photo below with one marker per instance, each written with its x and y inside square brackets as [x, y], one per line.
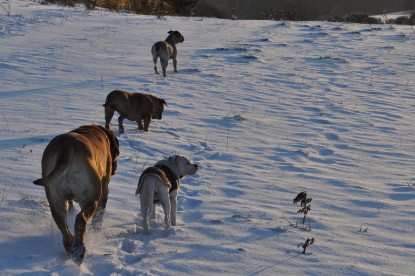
[268, 109]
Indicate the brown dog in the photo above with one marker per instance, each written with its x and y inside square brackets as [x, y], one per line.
[78, 166]
[137, 107]
[166, 50]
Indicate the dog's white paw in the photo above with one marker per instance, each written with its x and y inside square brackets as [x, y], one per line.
[78, 253]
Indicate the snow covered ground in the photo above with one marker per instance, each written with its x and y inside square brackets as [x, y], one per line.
[268, 109]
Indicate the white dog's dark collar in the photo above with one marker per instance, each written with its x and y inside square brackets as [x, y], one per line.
[174, 181]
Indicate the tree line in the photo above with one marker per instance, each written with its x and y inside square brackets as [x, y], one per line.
[293, 10]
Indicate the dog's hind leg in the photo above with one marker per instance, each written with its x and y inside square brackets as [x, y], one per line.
[109, 112]
[155, 64]
[165, 202]
[175, 64]
[59, 209]
[173, 203]
[144, 206]
[146, 201]
[164, 62]
[78, 249]
[99, 214]
[120, 125]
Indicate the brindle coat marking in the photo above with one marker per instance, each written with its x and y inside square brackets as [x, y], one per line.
[137, 107]
[166, 50]
[78, 165]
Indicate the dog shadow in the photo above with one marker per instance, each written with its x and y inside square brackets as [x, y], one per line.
[23, 142]
[29, 250]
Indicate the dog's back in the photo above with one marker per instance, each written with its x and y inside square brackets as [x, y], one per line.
[162, 50]
[68, 153]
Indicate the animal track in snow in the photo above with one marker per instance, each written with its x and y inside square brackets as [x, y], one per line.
[127, 246]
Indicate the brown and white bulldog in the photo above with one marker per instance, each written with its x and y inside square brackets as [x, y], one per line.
[78, 166]
[160, 184]
[137, 107]
[166, 50]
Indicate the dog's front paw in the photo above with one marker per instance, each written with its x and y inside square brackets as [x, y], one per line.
[168, 224]
[78, 253]
[145, 229]
[97, 220]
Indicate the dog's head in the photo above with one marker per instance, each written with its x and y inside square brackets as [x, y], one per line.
[158, 108]
[176, 36]
[183, 164]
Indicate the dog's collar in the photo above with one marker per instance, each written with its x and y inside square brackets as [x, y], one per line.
[173, 179]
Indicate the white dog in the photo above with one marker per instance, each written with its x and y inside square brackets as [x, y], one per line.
[160, 184]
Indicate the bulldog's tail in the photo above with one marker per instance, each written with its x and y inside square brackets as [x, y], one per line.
[62, 164]
[107, 103]
[111, 97]
[157, 47]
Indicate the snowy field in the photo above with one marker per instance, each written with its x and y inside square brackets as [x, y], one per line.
[267, 109]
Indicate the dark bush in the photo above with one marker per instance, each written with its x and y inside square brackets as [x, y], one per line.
[172, 7]
[278, 15]
[295, 10]
[336, 18]
[403, 20]
[69, 3]
[208, 10]
[90, 4]
[362, 19]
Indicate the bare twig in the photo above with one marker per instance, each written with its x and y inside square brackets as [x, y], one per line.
[306, 244]
[7, 123]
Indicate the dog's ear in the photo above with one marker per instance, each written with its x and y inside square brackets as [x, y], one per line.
[163, 102]
[114, 147]
[172, 159]
[169, 32]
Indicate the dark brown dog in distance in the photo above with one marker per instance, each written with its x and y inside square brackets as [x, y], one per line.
[78, 166]
[137, 107]
[166, 50]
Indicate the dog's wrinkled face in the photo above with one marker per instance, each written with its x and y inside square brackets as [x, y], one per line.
[178, 38]
[184, 166]
[158, 108]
